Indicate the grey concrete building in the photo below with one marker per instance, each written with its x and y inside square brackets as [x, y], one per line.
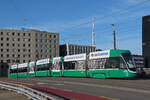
[146, 40]
[27, 45]
[71, 49]
[4, 70]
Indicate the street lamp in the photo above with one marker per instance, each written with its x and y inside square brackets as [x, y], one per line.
[114, 36]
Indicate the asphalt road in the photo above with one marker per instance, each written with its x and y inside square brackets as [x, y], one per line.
[114, 89]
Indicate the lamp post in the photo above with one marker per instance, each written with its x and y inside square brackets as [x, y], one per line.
[114, 36]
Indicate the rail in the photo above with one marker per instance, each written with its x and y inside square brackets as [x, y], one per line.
[30, 93]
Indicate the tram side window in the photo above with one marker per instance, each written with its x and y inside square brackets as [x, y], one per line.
[69, 65]
[13, 70]
[113, 62]
[22, 70]
[80, 65]
[43, 67]
[97, 63]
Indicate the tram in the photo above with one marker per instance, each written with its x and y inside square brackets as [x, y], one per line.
[112, 63]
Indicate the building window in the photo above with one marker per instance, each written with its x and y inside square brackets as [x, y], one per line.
[7, 55]
[41, 50]
[2, 38]
[13, 44]
[54, 41]
[41, 45]
[45, 45]
[8, 61]
[50, 41]
[50, 36]
[24, 50]
[29, 56]
[36, 40]
[18, 50]
[1, 33]
[45, 40]
[1, 50]
[29, 50]
[18, 56]
[18, 39]
[8, 33]
[24, 34]
[18, 45]
[13, 55]
[24, 56]
[7, 44]
[13, 33]
[29, 39]
[18, 34]
[28, 45]
[7, 50]
[29, 34]
[54, 36]
[24, 61]
[1, 55]
[7, 39]
[36, 45]
[41, 40]
[24, 45]
[13, 39]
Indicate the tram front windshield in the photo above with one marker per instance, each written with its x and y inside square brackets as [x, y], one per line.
[130, 62]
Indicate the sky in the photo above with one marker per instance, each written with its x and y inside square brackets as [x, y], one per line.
[73, 20]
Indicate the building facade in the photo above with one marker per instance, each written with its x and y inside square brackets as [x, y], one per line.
[139, 61]
[20, 46]
[4, 69]
[146, 40]
[72, 49]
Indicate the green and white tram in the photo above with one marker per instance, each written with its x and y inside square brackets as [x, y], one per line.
[111, 64]
[57, 70]
[43, 67]
[74, 65]
[13, 71]
[22, 70]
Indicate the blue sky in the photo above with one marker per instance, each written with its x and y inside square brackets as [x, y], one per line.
[72, 19]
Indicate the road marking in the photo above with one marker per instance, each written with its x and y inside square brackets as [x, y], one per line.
[52, 87]
[58, 84]
[108, 98]
[67, 90]
[40, 83]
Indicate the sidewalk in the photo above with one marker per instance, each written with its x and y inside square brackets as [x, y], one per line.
[11, 95]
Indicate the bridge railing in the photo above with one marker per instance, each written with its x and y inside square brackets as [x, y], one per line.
[30, 93]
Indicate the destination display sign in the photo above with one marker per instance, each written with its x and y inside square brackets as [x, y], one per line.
[23, 65]
[99, 54]
[75, 57]
[13, 66]
[43, 61]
